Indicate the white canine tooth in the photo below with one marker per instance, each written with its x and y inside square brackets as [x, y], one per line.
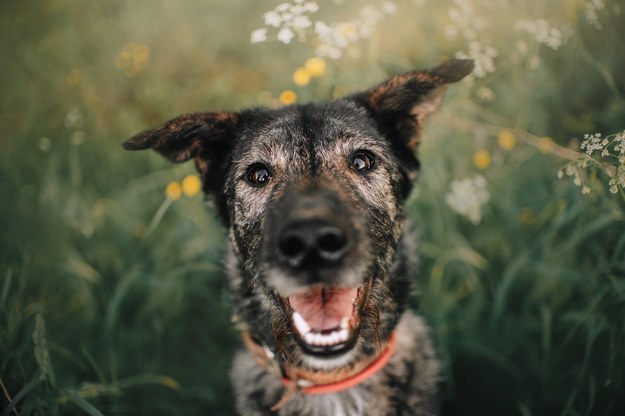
[345, 322]
[300, 324]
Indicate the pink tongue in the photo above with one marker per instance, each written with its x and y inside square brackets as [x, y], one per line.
[324, 308]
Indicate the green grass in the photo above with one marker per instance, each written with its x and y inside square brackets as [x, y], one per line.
[112, 298]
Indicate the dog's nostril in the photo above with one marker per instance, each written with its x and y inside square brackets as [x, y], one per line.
[292, 245]
[331, 242]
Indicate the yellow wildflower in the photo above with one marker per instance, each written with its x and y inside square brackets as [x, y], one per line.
[73, 77]
[133, 58]
[173, 191]
[288, 97]
[191, 185]
[316, 66]
[349, 30]
[301, 77]
[140, 56]
[123, 59]
[506, 139]
[546, 145]
[482, 159]
[527, 216]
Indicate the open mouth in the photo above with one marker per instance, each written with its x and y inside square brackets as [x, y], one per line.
[326, 320]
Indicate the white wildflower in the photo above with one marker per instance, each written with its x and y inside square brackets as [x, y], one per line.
[542, 31]
[273, 19]
[292, 19]
[283, 7]
[389, 7]
[468, 196]
[74, 118]
[483, 58]
[334, 39]
[451, 32]
[289, 19]
[311, 7]
[322, 29]
[619, 178]
[464, 21]
[593, 143]
[301, 22]
[611, 150]
[590, 12]
[285, 35]
[485, 94]
[259, 35]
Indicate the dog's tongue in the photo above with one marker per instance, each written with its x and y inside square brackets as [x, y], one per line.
[324, 308]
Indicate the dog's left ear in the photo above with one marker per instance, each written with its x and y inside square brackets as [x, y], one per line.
[400, 105]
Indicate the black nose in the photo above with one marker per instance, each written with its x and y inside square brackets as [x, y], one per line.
[311, 243]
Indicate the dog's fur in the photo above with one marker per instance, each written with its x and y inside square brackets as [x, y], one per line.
[312, 196]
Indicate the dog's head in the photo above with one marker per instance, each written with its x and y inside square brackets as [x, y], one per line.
[312, 196]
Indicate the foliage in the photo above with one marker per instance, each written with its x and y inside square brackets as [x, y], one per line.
[112, 298]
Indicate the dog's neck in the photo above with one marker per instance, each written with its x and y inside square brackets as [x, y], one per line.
[318, 381]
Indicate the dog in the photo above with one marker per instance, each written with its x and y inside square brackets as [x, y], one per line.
[321, 258]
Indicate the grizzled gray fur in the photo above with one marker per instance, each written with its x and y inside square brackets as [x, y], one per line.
[320, 257]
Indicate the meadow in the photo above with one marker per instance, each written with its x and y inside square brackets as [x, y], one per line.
[112, 295]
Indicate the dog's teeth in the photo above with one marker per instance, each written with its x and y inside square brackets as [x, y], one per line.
[333, 338]
[300, 324]
[311, 337]
[343, 334]
[328, 340]
[317, 339]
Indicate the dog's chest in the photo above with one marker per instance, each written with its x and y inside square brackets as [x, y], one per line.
[350, 403]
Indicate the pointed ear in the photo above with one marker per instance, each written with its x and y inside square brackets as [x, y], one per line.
[401, 104]
[201, 136]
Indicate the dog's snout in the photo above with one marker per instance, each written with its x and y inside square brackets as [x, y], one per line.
[312, 243]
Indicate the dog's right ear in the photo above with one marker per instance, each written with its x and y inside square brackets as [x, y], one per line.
[401, 104]
[205, 137]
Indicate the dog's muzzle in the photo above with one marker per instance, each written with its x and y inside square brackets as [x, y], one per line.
[314, 267]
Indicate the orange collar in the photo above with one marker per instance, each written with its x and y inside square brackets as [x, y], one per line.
[321, 384]
[353, 380]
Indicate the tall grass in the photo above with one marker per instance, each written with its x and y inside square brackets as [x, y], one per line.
[112, 297]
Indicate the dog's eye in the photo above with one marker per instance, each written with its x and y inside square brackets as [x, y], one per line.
[362, 162]
[258, 175]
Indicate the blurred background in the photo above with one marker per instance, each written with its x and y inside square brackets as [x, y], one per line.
[112, 298]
